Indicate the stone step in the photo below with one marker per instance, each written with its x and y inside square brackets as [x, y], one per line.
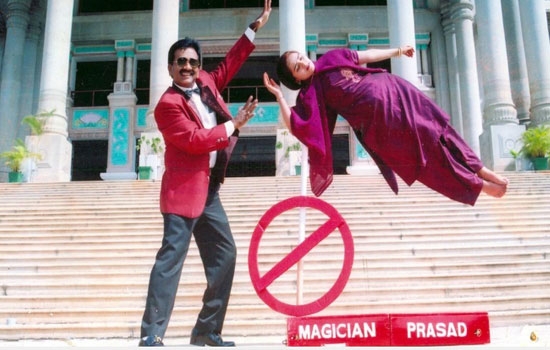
[75, 257]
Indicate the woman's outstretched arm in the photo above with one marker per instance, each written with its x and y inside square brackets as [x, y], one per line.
[376, 55]
[275, 89]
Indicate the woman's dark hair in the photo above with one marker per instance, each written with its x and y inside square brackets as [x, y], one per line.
[285, 74]
[183, 44]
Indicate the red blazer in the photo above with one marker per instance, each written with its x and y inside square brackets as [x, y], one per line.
[187, 174]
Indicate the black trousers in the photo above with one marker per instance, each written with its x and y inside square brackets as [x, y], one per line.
[218, 253]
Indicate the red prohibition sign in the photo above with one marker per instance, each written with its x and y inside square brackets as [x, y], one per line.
[335, 221]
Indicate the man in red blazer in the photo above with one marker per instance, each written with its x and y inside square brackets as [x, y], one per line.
[199, 133]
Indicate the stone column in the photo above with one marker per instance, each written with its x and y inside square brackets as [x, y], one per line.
[29, 74]
[292, 36]
[537, 51]
[164, 34]
[517, 63]
[17, 21]
[402, 32]
[55, 147]
[120, 66]
[312, 44]
[440, 69]
[500, 124]
[498, 104]
[422, 56]
[2, 44]
[452, 63]
[424, 67]
[462, 16]
[292, 29]
[129, 69]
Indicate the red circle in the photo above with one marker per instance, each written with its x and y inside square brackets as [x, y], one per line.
[261, 283]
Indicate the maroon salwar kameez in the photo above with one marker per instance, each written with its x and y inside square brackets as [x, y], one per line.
[402, 129]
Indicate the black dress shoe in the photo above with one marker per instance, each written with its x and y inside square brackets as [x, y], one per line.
[151, 340]
[210, 339]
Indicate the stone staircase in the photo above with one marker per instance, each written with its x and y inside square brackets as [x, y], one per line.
[75, 257]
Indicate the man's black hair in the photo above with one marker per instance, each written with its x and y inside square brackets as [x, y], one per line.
[183, 44]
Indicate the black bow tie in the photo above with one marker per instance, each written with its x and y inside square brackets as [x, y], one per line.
[189, 92]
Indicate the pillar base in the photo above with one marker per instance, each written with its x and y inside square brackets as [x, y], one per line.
[56, 151]
[362, 169]
[122, 176]
[285, 159]
[496, 142]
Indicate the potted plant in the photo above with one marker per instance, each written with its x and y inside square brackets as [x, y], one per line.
[517, 159]
[15, 157]
[292, 152]
[150, 147]
[536, 146]
[36, 122]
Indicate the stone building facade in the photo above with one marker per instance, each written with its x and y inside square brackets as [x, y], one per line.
[485, 62]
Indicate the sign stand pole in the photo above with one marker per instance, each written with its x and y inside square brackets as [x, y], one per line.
[302, 226]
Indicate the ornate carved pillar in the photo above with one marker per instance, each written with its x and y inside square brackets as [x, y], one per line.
[122, 116]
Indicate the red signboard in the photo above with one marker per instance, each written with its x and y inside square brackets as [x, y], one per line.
[440, 329]
[360, 330]
[390, 330]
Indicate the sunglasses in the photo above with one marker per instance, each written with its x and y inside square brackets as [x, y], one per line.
[182, 61]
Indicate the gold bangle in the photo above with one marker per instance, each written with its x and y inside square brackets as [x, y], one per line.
[399, 52]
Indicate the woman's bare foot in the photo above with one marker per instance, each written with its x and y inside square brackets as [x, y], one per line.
[494, 189]
[491, 176]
